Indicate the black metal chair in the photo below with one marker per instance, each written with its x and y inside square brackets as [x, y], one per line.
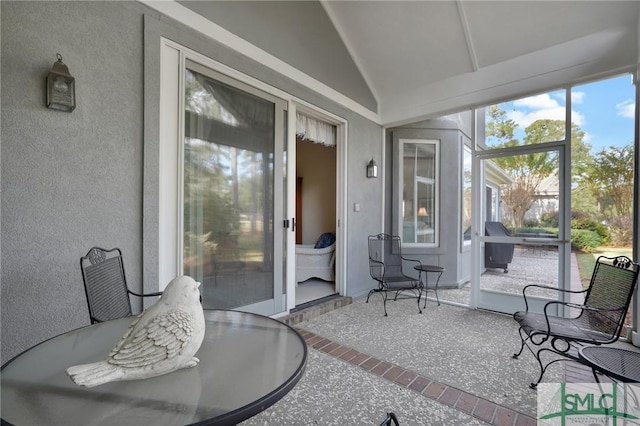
[105, 285]
[599, 320]
[391, 420]
[388, 267]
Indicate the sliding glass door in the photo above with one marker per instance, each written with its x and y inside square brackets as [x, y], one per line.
[233, 192]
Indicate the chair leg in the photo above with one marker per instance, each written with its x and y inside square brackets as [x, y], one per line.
[385, 296]
[543, 368]
[373, 290]
[522, 340]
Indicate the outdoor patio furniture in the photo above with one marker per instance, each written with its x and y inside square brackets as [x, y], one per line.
[387, 266]
[390, 420]
[497, 255]
[599, 320]
[617, 363]
[316, 261]
[105, 285]
[439, 270]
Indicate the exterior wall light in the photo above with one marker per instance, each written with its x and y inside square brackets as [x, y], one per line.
[372, 169]
[61, 87]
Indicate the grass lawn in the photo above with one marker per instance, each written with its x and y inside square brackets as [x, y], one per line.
[586, 261]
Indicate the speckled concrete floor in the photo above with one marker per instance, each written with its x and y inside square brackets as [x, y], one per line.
[466, 349]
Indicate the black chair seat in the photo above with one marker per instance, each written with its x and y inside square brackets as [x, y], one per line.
[597, 321]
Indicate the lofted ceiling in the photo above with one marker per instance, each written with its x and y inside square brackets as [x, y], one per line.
[422, 58]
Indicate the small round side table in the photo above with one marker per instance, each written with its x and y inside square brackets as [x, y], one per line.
[426, 269]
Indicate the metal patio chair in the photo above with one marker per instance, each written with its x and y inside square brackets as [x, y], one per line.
[599, 320]
[391, 420]
[105, 285]
[389, 268]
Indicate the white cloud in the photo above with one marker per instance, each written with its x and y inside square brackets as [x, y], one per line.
[543, 101]
[544, 106]
[524, 119]
[626, 109]
[577, 97]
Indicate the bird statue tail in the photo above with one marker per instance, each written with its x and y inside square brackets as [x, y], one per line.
[94, 374]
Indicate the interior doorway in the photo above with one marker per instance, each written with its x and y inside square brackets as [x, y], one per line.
[316, 225]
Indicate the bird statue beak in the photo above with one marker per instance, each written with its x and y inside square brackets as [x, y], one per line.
[197, 284]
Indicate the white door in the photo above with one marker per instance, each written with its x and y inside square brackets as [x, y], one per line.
[222, 155]
[509, 255]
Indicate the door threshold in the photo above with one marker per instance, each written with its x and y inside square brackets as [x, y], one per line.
[315, 308]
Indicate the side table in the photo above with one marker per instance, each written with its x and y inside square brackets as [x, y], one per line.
[426, 269]
[619, 364]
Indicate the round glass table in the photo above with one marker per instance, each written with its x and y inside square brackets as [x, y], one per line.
[247, 363]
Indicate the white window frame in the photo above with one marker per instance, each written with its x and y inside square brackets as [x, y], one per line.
[435, 181]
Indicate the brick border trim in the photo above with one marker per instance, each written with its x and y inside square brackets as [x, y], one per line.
[475, 406]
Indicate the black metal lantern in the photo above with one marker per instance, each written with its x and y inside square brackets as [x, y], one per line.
[372, 169]
[61, 87]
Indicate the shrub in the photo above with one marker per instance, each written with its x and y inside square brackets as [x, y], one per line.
[586, 222]
[531, 223]
[549, 219]
[585, 240]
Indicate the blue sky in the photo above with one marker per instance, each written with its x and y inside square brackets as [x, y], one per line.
[604, 110]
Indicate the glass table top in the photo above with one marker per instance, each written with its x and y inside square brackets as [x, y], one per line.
[247, 363]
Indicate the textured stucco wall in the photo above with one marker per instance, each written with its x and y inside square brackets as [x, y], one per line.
[298, 32]
[71, 181]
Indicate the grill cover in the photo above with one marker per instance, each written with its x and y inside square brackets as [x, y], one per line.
[497, 255]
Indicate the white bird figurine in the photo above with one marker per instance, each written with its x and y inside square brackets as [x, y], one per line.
[162, 339]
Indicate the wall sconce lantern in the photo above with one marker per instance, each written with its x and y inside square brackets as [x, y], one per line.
[372, 169]
[61, 87]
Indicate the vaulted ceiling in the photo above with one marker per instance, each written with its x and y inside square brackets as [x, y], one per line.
[424, 57]
[403, 61]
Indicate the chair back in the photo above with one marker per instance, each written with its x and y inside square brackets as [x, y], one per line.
[611, 288]
[385, 256]
[105, 284]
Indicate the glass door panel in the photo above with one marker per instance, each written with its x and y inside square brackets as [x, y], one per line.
[231, 152]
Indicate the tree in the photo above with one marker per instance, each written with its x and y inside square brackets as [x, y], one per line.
[610, 179]
[528, 171]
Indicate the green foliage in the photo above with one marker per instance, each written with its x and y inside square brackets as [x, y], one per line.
[585, 240]
[550, 219]
[582, 220]
[531, 223]
[537, 230]
[611, 180]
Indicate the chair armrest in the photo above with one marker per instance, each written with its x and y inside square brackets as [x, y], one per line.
[546, 287]
[159, 293]
[575, 306]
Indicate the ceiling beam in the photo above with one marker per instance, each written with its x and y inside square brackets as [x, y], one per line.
[467, 35]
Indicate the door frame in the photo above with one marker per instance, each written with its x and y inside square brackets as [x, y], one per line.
[340, 190]
[502, 302]
[169, 220]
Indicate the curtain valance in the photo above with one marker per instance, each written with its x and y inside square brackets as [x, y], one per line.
[314, 130]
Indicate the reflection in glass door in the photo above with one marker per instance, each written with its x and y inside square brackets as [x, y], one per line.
[233, 158]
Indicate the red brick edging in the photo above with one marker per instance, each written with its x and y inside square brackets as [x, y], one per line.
[480, 408]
